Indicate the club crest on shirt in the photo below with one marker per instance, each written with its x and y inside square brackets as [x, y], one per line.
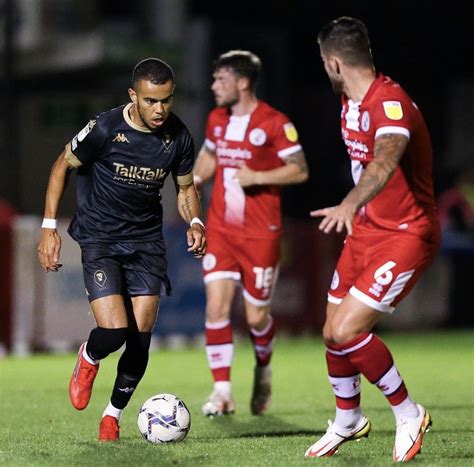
[167, 141]
[393, 110]
[100, 278]
[209, 262]
[217, 131]
[257, 137]
[290, 132]
[365, 121]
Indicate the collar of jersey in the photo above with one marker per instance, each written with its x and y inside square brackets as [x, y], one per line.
[127, 118]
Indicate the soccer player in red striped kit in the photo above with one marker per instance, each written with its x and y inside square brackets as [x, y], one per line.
[393, 236]
[252, 150]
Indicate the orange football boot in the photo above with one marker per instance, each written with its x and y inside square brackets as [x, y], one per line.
[82, 379]
[109, 429]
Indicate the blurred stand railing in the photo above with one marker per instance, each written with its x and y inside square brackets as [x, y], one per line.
[42, 312]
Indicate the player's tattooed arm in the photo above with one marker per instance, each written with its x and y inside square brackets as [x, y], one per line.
[189, 207]
[388, 151]
[185, 207]
[299, 159]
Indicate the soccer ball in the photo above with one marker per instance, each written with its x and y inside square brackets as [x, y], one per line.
[164, 418]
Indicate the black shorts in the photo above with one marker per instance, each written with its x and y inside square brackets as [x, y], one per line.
[127, 269]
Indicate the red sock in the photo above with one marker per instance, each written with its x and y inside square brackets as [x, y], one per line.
[371, 357]
[344, 379]
[219, 349]
[263, 343]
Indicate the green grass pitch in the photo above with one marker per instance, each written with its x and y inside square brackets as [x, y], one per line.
[40, 427]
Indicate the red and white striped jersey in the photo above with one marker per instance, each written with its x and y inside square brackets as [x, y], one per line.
[407, 202]
[260, 140]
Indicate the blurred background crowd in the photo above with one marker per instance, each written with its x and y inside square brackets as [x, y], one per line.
[63, 61]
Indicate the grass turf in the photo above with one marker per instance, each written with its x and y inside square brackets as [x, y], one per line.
[40, 427]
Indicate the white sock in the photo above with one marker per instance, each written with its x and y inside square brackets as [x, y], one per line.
[406, 409]
[87, 358]
[224, 387]
[348, 418]
[112, 411]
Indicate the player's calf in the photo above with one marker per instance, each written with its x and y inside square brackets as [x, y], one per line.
[262, 390]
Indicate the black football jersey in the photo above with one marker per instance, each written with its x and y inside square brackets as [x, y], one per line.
[123, 168]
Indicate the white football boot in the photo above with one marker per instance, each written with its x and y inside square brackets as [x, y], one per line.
[409, 436]
[328, 444]
[262, 390]
[219, 403]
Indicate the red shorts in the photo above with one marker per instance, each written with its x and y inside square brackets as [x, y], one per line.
[380, 268]
[253, 261]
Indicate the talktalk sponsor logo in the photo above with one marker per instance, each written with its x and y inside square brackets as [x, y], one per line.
[138, 173]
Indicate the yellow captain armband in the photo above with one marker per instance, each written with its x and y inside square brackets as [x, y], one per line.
[71, 158]
[186, 179]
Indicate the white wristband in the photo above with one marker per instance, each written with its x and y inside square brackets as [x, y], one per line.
[197, 179]
[196, 220]
[49, 223]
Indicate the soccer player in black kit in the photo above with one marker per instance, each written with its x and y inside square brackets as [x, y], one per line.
[122, 158]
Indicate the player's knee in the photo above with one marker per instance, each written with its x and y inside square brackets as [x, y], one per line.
[104, 341]
[341, 334]
[327, 336]
[217, 311]
[257, 321]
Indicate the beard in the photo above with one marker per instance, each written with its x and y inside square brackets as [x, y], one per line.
[337, 86]
[229, 101]
[143, 118]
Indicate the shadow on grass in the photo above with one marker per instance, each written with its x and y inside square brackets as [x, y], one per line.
[265, 426]
[274, 427]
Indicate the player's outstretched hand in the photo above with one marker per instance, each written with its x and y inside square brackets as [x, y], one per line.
[49, 250]
[337, 216]
[197, 240]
